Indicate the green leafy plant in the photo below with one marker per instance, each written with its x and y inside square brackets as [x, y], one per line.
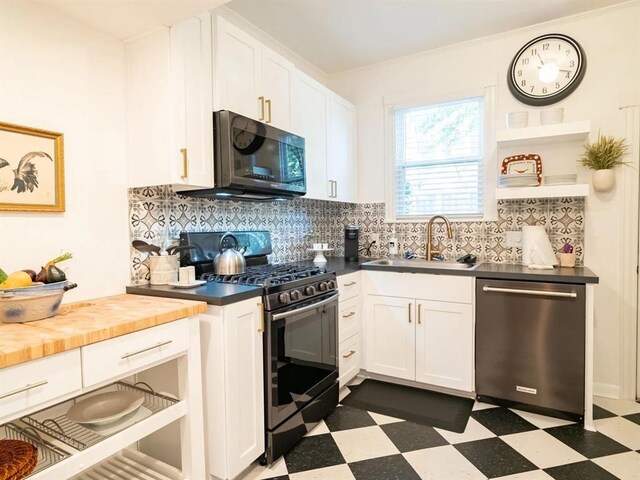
[604, 153]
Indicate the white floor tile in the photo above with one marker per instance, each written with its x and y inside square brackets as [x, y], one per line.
[482, 406]
[474, 431]
[259, 472]
[542, 421]
[542, 449]
[364, 443]
[356, 380]
[319, 430]
[624, 465]
[533, 475]
[337, 472]
[383, 419]
[343, 393]
[441, 463]
[619, 407]
[621, 430]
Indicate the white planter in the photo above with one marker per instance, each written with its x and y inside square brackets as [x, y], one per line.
[603, 180]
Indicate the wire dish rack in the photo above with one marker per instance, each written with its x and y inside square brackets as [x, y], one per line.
[55, 423]
[130, 464]
[48, 454]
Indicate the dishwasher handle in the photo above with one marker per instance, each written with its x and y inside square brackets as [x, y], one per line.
[537, 293]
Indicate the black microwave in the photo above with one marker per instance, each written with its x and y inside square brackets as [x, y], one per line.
[254, 160]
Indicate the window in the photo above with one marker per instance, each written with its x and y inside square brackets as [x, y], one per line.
[438, 159]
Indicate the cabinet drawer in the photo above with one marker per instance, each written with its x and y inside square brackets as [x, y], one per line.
[349, 359]
[349, 318]
[349, 285]
[33, 383]
[423, 286]
[129, 353]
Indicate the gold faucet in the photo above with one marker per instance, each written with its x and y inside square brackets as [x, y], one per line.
[430, 252]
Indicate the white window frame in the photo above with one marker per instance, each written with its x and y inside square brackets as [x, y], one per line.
[489, 161]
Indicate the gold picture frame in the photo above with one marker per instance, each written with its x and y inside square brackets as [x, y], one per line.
[31, 169]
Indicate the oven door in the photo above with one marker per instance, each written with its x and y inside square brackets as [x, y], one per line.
[301, 356]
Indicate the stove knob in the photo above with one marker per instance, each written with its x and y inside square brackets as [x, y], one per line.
[284, 298]
[324, 286]
[332, 285]
[296, 295]
[310, 290]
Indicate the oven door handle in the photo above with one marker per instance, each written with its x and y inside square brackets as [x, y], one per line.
[308, 308]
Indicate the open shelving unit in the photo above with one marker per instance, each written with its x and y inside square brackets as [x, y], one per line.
[543, 191]
[544, 134]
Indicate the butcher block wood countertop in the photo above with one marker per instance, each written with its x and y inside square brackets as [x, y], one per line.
[91, 321]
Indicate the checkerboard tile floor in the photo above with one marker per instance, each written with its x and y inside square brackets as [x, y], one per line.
[498, 443]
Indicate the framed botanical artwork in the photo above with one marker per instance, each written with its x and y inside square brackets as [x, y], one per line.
[31, 169]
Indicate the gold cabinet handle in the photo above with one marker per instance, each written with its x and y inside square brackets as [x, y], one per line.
[347, 315]
[261, 100]
[261, 313]
[146, 349]
[350, 354]
[185, 164]
[268, 102]
[350, 284]
[419, 314]
[409, 309]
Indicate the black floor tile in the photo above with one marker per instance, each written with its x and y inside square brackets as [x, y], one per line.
[580, 470]
[599, 413]
[346, 418]
[392, 467]
[589, 444]
[281, 477]
[313, 452]
[634, 417]
[494, 458]
[409, 436]
[502, 421]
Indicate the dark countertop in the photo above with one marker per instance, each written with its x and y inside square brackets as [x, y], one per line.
[224, 294]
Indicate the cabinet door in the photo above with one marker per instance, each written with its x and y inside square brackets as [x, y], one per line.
[309, 115]
[444, 344]
[191, 62]
[391, 336]
[342, 166]
[238, 71]
[244, 383]
[277, 81]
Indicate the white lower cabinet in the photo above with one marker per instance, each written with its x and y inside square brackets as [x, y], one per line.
[349, 363]
[428, 341]
[233, 386]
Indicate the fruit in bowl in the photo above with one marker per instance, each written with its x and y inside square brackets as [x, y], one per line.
[48, 274]
[16, 280]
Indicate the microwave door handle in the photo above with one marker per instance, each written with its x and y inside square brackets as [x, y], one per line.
[308, 308]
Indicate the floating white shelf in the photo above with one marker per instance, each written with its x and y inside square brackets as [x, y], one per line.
[543, 191]
[559, 132]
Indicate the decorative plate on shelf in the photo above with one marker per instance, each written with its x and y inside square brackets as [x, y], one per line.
[523, 164]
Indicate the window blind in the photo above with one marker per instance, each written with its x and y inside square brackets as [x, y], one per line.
[438, 155]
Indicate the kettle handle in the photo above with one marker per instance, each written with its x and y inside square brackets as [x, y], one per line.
[228, 234]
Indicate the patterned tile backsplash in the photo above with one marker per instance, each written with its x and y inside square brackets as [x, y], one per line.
[157, 215]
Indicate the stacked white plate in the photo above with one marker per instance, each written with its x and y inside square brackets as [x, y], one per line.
[561, 179]
[518, 180]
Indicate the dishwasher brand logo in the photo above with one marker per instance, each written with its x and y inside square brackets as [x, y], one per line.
[532, 391]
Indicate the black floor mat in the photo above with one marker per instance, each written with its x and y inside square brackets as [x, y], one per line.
[413, 404]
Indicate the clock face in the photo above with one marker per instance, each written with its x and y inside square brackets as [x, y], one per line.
[247, 135]
[546, 70]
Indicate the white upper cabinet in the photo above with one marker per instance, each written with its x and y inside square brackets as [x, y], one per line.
[251, 79]
[341, 157]
[169, 95]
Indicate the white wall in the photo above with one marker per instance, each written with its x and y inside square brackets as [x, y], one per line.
[612, 45]
[59, 74]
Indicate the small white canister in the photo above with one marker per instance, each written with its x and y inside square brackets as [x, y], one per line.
[164, 269]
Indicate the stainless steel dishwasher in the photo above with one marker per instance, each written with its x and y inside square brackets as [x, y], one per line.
[530, 343]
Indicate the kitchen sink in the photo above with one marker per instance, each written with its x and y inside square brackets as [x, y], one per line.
[419, 263]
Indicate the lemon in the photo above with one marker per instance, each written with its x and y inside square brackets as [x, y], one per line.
[17, 280]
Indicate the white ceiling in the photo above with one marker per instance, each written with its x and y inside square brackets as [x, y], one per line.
[339, 35]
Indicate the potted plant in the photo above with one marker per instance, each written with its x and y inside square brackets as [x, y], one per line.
[602, 156]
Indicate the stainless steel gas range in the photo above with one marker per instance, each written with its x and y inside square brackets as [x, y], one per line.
[300, 338]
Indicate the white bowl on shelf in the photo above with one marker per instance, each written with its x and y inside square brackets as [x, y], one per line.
[517, 119]
[551, 116]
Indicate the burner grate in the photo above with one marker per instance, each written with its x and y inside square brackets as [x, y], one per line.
[267, 275]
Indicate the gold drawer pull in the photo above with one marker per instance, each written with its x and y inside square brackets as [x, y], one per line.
[347, 315]
[268, 102]
[138, 352]
[185, 164]
[419, 314]
[261, 100]
[350, 354]
[261, 313]
[27, 387]
[350, 284]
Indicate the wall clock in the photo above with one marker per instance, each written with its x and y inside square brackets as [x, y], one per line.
[546, 70]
